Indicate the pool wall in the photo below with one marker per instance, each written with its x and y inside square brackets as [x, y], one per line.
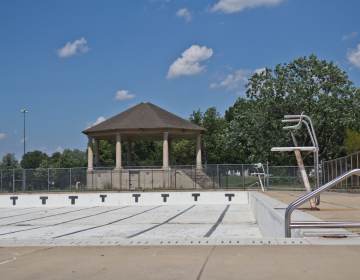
[123, 198]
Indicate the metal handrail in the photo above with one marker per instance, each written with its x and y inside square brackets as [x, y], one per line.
[301, 200]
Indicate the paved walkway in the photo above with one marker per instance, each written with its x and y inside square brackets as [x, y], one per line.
[204, 262]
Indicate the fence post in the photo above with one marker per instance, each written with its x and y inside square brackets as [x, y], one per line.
[48, 179]
[351, 168]
[70, 178]
[13, 177]
[23, 179]
[218, 175]
[243, 175]
[195, 177]
[267, 174]
[111, 179]
[322, 172]
[1, 180]
[357, 166]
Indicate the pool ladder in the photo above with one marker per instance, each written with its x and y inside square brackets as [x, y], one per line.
[311, 195]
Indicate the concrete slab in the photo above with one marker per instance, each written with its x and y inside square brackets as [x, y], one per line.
[196, 262]
[119, 225]
[335, 206]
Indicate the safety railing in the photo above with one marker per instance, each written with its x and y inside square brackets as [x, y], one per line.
[307, 197]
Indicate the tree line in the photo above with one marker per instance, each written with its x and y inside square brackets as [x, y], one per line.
[249, 128]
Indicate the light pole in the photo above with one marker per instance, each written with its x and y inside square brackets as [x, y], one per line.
[24, 111]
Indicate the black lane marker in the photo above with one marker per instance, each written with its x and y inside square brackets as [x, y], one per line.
[64, 222]
[107, 224]
[219, 220]
[73, 198]
[229, 196]
[27, 213]
[165, 196]
[53, 215]
[43, 199]
[14, 198]
[195, 196]
[136, 196]
[163, 223]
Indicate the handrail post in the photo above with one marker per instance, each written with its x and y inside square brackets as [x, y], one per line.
[308, 196]
[287, 222]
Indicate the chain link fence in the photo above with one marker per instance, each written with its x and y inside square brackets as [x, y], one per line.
[211, 176]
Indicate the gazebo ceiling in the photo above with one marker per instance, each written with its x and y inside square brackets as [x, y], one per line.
[144, 119]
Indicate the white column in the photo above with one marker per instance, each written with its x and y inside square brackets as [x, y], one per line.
[90, 155]
[118, 151]
[96, 151]
[198, 151]
[166, 150]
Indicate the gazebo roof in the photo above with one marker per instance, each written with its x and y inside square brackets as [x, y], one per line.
[144, 116]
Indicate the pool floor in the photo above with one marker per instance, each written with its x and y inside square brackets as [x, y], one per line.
[99, 225]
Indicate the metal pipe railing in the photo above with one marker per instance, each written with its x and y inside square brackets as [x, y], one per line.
[307, 197]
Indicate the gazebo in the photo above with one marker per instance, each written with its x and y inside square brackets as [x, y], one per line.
[142, 121]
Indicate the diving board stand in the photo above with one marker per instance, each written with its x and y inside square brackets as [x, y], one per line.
[300, 120]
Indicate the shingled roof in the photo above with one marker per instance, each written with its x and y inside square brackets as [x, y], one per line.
[144, 116]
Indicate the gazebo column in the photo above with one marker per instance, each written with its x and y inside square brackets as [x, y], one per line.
[90, 155]
[166, 150]
[96, 151]
[118, 164]
[198, 151]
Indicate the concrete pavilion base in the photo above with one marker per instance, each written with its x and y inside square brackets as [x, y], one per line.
[139, 179]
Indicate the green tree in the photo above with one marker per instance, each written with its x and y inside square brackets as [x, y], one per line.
[214, 137]
[33, 159]
[316, 87]
[73, 158]
[9, 161]
[106, 153]
[352, 141]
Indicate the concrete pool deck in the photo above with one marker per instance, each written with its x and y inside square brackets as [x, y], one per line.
[334, 206]
[195, 262]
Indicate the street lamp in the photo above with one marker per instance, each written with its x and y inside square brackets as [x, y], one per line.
[24, 111]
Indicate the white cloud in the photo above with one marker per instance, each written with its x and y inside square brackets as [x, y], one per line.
[2, 135]
[190, 62]
[59, 149]
[185, 14]
[353, 56]
[72, 48]
[260, 70]
[123, 95]
[350, 36]
[233, 81]
[234, 6]
[99, 120]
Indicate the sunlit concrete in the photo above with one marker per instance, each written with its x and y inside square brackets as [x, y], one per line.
[180, 262]
[96, 225]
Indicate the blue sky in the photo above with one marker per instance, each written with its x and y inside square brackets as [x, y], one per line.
[72, 62]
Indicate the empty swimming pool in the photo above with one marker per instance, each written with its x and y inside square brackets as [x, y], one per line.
[170, 218]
